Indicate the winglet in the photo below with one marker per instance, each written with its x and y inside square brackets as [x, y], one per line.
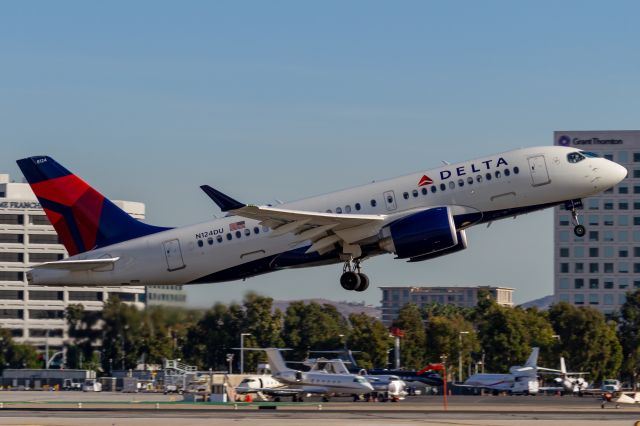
[223, 201]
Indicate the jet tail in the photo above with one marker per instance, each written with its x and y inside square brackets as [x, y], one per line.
[533, 358]
[563, 366]
[83, 218]
[276, 362]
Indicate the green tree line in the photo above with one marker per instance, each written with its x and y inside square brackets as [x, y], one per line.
[496, 337]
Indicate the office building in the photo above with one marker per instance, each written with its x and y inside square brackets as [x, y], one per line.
[598, 269]
[394, 298]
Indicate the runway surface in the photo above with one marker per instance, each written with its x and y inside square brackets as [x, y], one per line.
[118, 409]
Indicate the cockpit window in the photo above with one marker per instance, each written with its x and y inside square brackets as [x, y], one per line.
[359, 379]
[589, 154]
[575, 157]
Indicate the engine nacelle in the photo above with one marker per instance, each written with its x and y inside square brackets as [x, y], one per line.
[422, 233]
[462, 244]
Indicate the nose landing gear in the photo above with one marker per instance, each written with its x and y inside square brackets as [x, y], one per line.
[351, 278]
[578, 229]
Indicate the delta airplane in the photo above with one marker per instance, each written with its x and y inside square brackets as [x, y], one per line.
[417, 217]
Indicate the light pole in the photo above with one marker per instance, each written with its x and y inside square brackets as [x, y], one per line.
[460, 354]
[230, 361]
[242, 351]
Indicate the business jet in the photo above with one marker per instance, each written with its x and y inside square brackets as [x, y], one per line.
[568, 381]
[299, 383]
[519, 380]
[417, 217]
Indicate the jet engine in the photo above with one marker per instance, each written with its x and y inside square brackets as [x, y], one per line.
[422, 234]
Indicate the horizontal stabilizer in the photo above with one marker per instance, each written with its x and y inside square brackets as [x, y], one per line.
[223, 201]
[78, 265]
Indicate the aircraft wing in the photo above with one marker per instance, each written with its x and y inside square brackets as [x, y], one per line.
[79, 265]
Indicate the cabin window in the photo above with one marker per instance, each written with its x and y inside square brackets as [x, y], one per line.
[229, 236]
[256, 230]
[479, 178]
[373, 203]
[443, 187]
[488, 176]
[424, 191]
[329, 211]
[210, 241]
[460, 182]
[358, 207]
[470, 180]
[433, 188]
[247, 232]
[497, 174]
[200, 243]
[414, 193]
[452, 185]
[339, 210]
[238, 234]
[516, 170]
[219, 238]
[405, 195]
[507, 172]
[347, 209]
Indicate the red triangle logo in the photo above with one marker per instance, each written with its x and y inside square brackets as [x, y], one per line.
[426, 180]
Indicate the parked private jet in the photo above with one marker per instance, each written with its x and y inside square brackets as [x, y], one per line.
[295, 383]
[519, 380]
[417, 217]
[567, 381]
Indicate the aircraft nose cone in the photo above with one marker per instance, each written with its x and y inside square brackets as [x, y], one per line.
[618, 173]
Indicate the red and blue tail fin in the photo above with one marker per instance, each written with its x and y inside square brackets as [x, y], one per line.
[83, 218]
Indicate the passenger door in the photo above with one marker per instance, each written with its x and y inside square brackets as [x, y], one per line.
[390, 200]
[538, 170]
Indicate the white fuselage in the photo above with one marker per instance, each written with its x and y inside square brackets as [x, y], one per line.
[477, 191]
[504, 383]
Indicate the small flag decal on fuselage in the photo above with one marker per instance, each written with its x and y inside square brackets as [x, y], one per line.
[426, 180]
[236, 226]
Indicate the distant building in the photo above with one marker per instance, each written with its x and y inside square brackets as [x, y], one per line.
[394, 298]
[166, 295]
[598, 269]
[35, 314]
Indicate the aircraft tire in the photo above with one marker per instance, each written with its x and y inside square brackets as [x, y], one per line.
[350, 281]
[579, 230]
[364, 282]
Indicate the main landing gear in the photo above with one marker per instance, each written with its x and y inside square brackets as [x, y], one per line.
[352, 278]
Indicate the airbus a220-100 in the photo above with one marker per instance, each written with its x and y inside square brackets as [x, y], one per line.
[416, 217]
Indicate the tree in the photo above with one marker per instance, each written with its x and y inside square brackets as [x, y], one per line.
[264, 325]
[15, 355]
[451, 335]
[412, 345]
[312, 327]
[503, 336]
[587, 340]
[629, 333]
[371, 339]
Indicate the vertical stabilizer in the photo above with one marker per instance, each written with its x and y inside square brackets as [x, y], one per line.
[276, 362]
[83, 218]
[533, 358]
[563, 366]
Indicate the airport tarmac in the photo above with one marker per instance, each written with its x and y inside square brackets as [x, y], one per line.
[120, 409]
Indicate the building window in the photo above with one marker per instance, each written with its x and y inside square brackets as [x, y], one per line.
[593, 283]
[564, 283]
[594, 252]
[579, 267]
[45, 295]
[623, 283]
[564, 268]
[39, 220]
[623, 220]
[608, 268]
[608, 283]
[623, 236]
[623, 267]
[608, 220]
[578, 299]
[623, 205]
[594, 267]
[608, 251]
[607, 299]
[578, 251]
[564, 252]
[593, 220]
[46, 314]
[593, 236]
[11, 257]
[594, 204]
[623, 189]
[578, 283]
[11, 314]
[11, 238]
[44, 257]
[86, 296]
[563, 220]
[563, 236]
[11, 219]
[11, 276]
[593, 299]
[43, 239]
[608, 205]
[623, 252]
[11, 295]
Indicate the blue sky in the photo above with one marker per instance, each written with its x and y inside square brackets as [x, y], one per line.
[285, 99]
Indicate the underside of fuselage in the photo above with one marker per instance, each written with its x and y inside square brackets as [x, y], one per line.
[298, 258]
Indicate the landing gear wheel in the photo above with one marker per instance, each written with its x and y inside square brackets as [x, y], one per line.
[350, 280]
[579, 230]
[364, 282]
